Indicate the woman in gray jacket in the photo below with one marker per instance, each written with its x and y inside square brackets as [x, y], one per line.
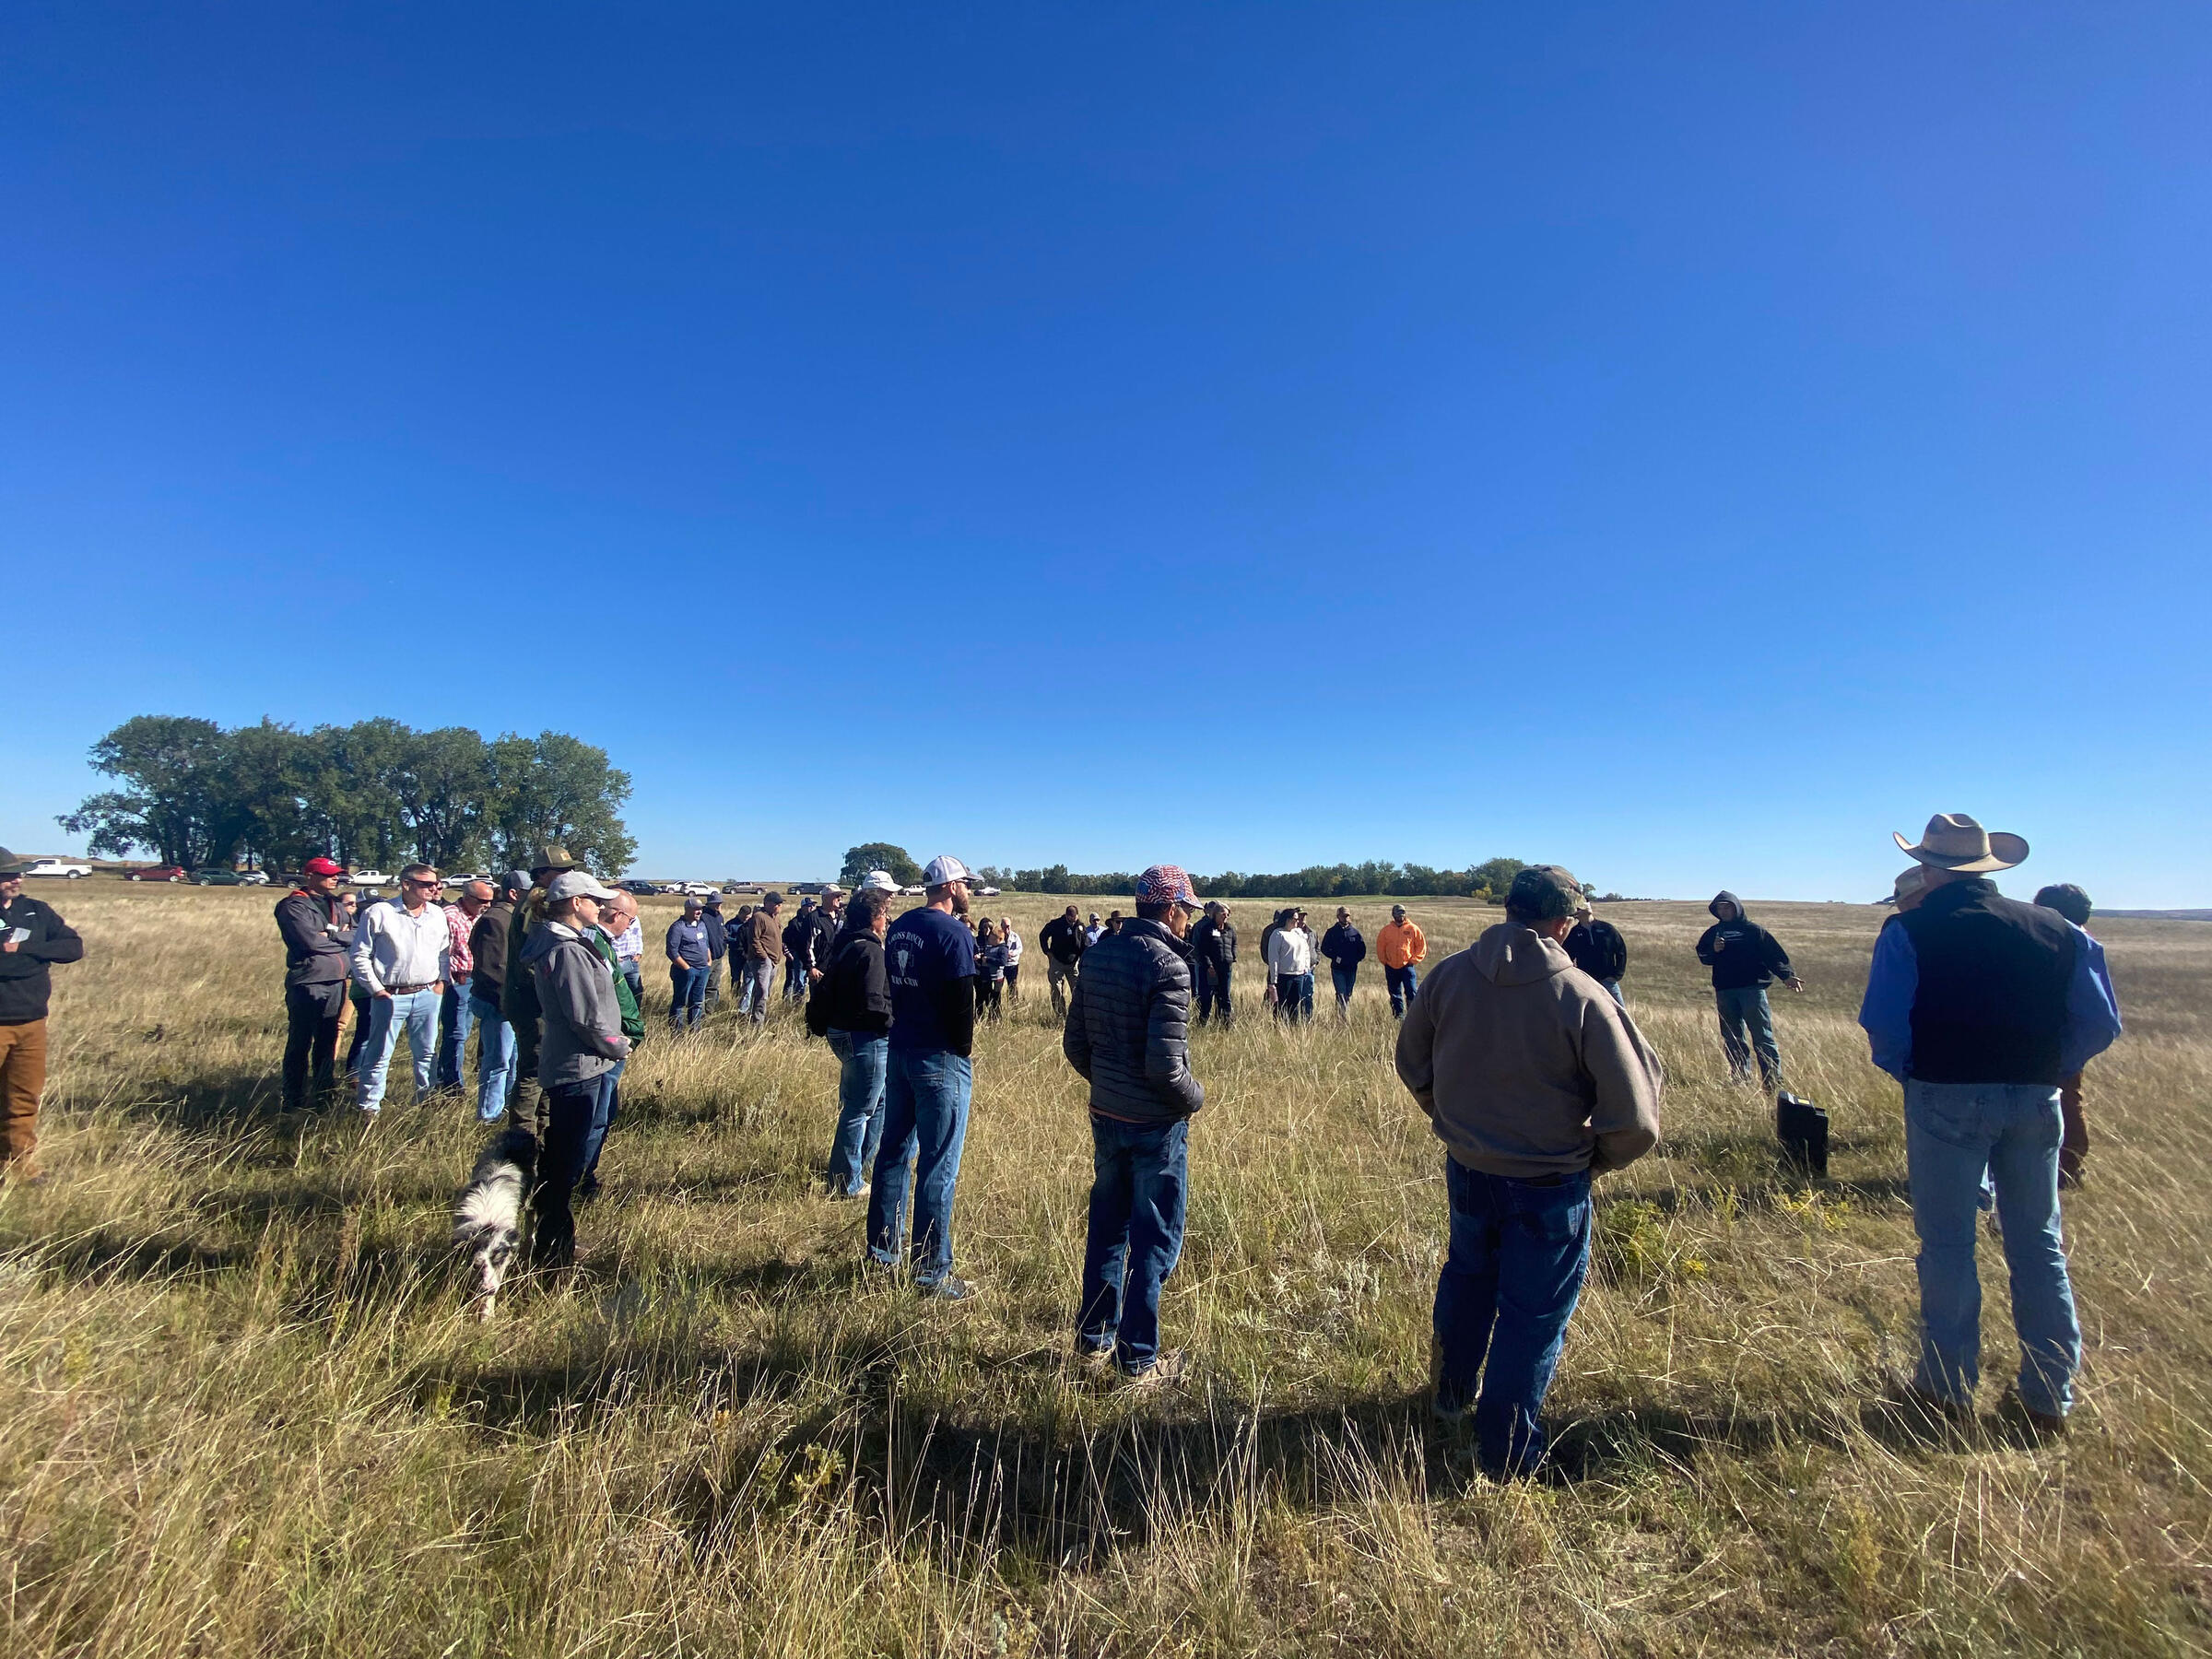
[580, 1039]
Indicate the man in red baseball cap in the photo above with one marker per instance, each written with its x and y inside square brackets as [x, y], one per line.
[318, 932]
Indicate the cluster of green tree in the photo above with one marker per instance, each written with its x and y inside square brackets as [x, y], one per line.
[376, 793]
[1486, 880]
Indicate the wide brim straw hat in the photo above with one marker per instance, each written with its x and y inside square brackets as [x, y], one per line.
[1954, 841]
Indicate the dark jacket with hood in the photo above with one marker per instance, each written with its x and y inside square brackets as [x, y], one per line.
[854, 991]
[1344, 945]
[1741, 953]
[1128, 1025]
[25, 985]
[318, 938]
[574, 989]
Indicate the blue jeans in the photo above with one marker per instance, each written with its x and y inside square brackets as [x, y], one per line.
[687, 995]
[1746, 1007]
[1140, 1179]
[1953, 1132]
[1344, 979]
[1403, 982]
[494, 1060]
[454, 1017]
[603, 1117]
[1509, 1284]
[865, 1060]
[418, 1012]
[760, 980]
[1294, 996]
[1613, 986]
[926, 1119]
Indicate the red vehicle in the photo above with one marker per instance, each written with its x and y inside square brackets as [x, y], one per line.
[159, 873]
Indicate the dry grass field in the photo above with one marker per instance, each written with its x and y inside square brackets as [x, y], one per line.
[244, 1416]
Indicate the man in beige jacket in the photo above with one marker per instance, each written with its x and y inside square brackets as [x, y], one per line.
[1535, 1079]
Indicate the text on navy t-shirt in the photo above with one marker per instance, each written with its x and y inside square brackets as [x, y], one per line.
[924, 951]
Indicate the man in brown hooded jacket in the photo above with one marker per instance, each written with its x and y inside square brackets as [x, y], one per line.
[1535, 1079]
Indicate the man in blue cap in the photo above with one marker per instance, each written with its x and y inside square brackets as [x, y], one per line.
[1127, 1032]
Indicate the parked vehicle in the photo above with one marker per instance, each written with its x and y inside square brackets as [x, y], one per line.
[60, 867]
[368, 878]
[158, 873]
[218, 876]
[643, 890]
[986, 892]
[913, 892]
[704, 890]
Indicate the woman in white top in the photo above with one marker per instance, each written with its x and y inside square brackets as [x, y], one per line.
[1012, 941]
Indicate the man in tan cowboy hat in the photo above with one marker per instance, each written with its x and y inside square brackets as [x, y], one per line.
[1980, 1004]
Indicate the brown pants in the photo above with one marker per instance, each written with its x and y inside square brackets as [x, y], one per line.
[22, 1081]
[2074, 1146]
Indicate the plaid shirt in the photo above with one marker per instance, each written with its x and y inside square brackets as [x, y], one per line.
[458, 925]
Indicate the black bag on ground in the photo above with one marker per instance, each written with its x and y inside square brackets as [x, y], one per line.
[1802, 1130]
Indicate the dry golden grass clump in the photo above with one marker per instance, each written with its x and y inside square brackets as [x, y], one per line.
[246, 1416]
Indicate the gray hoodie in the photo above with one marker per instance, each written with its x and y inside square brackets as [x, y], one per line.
[1525, 1064]
[582, 1034]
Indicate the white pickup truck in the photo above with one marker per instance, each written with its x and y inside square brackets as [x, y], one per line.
[59, 867]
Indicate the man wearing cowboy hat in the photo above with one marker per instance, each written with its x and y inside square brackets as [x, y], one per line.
[1980, 1004]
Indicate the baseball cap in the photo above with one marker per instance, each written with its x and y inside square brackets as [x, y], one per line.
[1544, 893]
[572, 884]
[515, 881]
[878, 881]
[832, 890]
[1166, 884]
[691, 901]
[551, 857]
[322, 867]
[942, 870]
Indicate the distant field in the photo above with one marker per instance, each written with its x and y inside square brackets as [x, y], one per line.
[246, 1418]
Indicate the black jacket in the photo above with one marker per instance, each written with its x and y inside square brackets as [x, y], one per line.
[1741, 953]
[1215, 944]
[317, 935]
[1344, 945]
[1597, 948]
[488, 951]
[818, 943]
[25, 983]
[855, 992]
[798, 937]
[718, 933]
[1989, 1003]
[1063, 940]
[1128, 1025]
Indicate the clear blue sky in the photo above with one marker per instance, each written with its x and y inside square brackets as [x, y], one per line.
[1684, 442]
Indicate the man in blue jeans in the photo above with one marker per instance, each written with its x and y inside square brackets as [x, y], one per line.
[1744, 959]
[690, 947]
[1535, 1079]
[402, 958]
[1980, 1006]
[852, 1008]
[930, 959]
[1127, 1032]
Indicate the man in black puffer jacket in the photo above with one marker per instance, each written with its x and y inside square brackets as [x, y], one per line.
[1127, 1032]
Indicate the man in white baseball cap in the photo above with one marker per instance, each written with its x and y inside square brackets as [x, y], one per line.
[930, 958]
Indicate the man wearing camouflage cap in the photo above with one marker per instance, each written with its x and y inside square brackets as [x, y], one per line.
[1535, 1079]
[518, 996]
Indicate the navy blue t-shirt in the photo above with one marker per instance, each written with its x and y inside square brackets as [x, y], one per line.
[924, 951]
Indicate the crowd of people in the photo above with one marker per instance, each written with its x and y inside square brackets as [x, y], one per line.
[1521, 1049]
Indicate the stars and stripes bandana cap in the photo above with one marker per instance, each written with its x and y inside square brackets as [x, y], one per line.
[1166, 884]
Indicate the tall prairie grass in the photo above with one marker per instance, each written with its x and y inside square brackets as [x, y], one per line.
[245, 1416]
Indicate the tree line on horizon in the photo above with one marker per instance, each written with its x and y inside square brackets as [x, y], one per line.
[376, 793]
[1375, 877]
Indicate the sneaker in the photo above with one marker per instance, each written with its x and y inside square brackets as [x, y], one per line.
[1165, 1371]
[948, 1288]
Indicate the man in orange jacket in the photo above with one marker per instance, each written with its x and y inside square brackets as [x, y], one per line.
[1401, 946]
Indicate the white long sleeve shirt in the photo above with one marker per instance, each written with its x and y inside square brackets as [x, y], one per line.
[392, 948]
[1013, 948]
[1290, 952]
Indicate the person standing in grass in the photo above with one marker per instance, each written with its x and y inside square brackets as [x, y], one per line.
[1402, 946]
[1744, 959]
[1535, 1080]
[2072, 903]
[990, 970]
[690, 950]
[855, 1015]
[930, 959]
[455, 1014]
[1214, 955]
[1982, 1007]
[402, 953]
[518, 996]
[620, 919]
[1011, 942]
[1599, 950]
[617, 913]
[1065, 942]
[763, 942]
[1128, 1035]
[32, 940]
[1346, 947]
[581, 1041]
[488, 943]
[1290, 969]
[718, 947]
[317, 930]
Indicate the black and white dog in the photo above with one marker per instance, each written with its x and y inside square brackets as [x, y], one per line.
[487, 1218]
